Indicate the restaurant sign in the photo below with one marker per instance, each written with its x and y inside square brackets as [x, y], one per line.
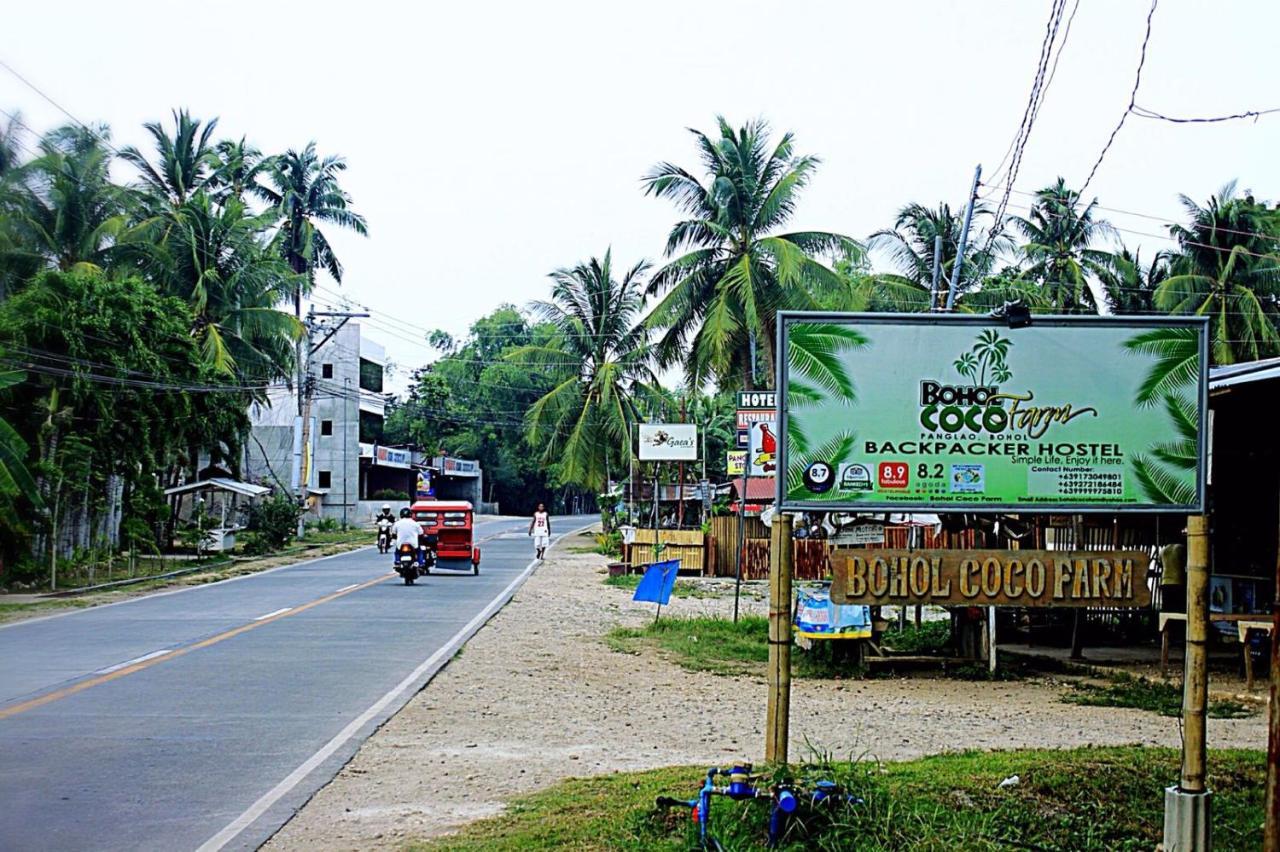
[1034, 578]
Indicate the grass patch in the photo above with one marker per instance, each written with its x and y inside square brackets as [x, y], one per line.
[683, 588]
[702, 644]
[1081, 799]
[718, 646]
[1139, 693]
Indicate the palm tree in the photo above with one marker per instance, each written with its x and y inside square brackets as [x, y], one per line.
[1060, 236]
[304, 188]
[215, 257]
[15, 478]
[241, 169]
[1130, 286]
[1229, 270]
[603, 361]
[186, 162]
[729, 271]
[72, 215]
[910, 245]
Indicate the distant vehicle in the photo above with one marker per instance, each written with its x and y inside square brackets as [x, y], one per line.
[384, 535]
[447, 530]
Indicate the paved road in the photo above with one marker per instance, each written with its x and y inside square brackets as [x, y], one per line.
[207, 717]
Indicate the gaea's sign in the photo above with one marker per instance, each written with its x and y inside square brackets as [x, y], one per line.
[892, 412]
[991, 577]
[668, 442]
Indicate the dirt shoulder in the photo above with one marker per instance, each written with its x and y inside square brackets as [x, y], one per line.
[537, 697]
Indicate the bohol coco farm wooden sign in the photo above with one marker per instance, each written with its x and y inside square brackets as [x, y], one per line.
[991, 577]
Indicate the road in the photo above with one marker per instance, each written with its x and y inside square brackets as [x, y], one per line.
[205, 717]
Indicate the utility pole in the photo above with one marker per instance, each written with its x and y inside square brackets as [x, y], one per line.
[964, 241]
[1187, 811]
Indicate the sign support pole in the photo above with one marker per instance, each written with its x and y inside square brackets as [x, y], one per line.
[742, 540]
[1187, 812]
[778, 712]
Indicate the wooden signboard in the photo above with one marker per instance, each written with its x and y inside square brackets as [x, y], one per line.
[1106, 578]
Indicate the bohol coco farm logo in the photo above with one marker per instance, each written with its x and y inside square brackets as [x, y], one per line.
[983, 405]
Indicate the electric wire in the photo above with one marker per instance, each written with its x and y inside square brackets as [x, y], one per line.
[1133, 96]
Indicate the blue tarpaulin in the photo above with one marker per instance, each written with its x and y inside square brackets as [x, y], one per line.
[658, 581]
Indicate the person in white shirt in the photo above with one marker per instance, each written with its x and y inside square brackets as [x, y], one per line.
[405, 531]
[540, 529]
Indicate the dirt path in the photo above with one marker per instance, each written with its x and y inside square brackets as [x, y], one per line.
[537, 697]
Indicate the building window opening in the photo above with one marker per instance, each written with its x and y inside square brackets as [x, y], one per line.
[325, 479]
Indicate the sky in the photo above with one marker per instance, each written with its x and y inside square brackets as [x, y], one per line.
[490, 143]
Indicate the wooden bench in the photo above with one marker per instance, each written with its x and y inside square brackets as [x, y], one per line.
[1244, 621]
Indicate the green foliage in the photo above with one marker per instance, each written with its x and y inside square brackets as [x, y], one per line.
[274, 520]
[729, 270]
[600, 362]
[471, 402]
[1093, 798]
[931, 637]
[391, 495]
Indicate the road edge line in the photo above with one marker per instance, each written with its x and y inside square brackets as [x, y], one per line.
[437, 660]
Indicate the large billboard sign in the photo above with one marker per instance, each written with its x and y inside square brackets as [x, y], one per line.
[668, 442]
[915, 412]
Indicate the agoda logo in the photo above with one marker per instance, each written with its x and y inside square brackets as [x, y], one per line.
[980, 406]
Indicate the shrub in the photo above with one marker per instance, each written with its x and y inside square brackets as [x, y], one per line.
[391, 494]
[274, 521]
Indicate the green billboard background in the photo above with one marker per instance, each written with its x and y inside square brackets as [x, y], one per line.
[925, 412]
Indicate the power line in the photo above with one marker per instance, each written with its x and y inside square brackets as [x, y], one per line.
[1032, 110]
[1133, 95]
[1143, 112]
[1066, 34]
[33, 87]
[1166, 221]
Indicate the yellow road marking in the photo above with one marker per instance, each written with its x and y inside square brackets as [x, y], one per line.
[59, 694]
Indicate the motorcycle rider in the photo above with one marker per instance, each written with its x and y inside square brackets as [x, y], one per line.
[386, 517]
[406, 531]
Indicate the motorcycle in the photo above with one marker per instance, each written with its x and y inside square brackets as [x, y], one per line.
[407, 563]
[384, 535]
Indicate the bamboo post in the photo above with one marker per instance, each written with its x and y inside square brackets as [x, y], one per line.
[1271, 831]
[1188, 818]
[1195, 679]
[778, 713]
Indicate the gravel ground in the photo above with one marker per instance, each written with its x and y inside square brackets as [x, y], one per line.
[537, 697]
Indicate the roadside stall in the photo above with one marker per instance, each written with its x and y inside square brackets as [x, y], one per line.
[220, 503]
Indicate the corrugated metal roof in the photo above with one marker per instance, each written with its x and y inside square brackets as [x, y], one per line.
[758, 487]
[245, 489]
[1246, 373]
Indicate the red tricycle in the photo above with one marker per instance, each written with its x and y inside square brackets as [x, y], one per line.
[447, 527]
